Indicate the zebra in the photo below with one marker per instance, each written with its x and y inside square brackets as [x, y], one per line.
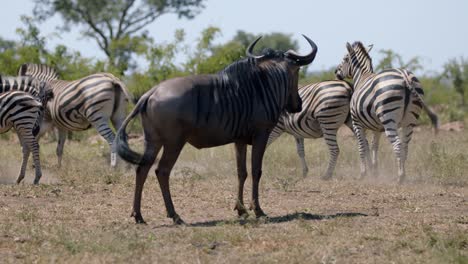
[382, 102]
[240, 104]
[80, 104]
[23, 112]
[325, 109]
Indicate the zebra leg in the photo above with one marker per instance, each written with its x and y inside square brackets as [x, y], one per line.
[407, 133]
[363, 148]
[151, 151]
[102, 126]
[61, 143]
[24, 163]
[374, 149]
[392, 134]
[330, 138]
[169, 157]
[258, 150]
[301, 154]
[241, 152]
[37, 162]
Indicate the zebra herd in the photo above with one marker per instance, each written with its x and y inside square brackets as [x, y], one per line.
[251, 102]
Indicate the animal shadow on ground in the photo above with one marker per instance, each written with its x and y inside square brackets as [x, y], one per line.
[270, 220]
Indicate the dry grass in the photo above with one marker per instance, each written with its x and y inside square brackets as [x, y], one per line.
[80, 213]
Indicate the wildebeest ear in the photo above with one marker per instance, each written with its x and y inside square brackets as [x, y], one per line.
[369, 48]
[348, 46]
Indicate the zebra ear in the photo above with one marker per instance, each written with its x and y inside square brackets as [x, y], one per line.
[348, 46]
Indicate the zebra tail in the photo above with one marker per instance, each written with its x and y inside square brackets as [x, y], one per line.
[124, 151]
[122, 86]
[430, 113]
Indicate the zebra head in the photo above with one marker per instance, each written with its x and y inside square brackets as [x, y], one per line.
[357, 59]
[291, 62]
[45, 92]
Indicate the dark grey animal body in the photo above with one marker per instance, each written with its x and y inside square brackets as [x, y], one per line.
[240, 105]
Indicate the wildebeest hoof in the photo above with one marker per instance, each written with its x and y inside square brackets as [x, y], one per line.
[138, 218]
[326, 177]
[259, 213]
[177, 220]
[241, 211]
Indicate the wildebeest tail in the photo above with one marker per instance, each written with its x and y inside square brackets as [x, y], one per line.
[124, 151]
[430, 113]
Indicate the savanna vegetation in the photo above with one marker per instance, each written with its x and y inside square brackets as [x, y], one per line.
[80, 213]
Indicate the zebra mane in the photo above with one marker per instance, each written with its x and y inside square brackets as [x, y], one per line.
[358, 47]
[40, 71]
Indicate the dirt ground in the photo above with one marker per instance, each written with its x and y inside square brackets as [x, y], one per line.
[80, 213]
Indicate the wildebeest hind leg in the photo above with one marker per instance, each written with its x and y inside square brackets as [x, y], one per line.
[169, 157]
[151, 151]
[241, 152]
[258, 150]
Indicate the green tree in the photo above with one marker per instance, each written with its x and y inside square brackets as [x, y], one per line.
[456, 70]
[211, 58]
[117, 26]
[275, 40]
[394, 60]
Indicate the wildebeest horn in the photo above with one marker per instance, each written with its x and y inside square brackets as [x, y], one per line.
[306, 59]
[250, 49]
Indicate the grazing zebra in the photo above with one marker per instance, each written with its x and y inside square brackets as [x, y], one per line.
[22, 111]
[382, 102]
[77, 105]
[241, 104]
[325, 108]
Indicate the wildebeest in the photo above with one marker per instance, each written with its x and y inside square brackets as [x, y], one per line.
[241, 104]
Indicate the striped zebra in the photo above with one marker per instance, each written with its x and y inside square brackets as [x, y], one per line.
[240, 105]
[22, 111]
[93, 100]
[325, 108]
[382, 102]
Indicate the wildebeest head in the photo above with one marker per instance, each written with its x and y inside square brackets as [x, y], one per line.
[291, 62]
[358, 52]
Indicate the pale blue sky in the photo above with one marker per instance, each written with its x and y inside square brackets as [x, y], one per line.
[432, 30]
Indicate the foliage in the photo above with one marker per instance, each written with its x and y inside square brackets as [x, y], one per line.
[117, 26]
[456, 70]
[274, 40]
[394, 60]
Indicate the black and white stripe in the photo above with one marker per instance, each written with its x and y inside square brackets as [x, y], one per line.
[325, 110]
[382, 102]
[21, 111]
[80, 104]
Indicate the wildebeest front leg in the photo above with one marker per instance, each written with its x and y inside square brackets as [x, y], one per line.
[241, 152]
[258, 150]
[151, 151]
[169, 157]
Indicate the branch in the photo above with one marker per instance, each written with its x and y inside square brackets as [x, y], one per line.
[89, 20]
[122, 18]
[142, 25]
